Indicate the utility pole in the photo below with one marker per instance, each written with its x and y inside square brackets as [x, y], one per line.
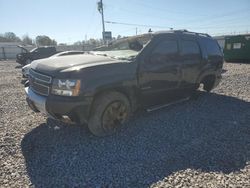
[100, 9]
[136, 31]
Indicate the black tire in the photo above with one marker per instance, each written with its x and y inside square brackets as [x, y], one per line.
[208, 86]
[208, 83]
[100, 113]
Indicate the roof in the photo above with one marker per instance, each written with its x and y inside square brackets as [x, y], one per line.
[184, 31]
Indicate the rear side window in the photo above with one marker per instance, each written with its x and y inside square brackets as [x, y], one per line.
[190, 48]
[166, 47]
[165, 52]
[212, 47]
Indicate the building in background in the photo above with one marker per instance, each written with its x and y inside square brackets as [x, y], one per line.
[237, 48]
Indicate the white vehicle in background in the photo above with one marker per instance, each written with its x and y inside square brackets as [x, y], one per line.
[26, 68]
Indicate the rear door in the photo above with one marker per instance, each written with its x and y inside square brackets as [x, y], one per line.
[159, 74]
[190, 63]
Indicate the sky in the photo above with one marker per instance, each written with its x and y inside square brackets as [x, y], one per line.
[68, 21]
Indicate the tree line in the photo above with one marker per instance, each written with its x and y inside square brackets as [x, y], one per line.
[43, 40]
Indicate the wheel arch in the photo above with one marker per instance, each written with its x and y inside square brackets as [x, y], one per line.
[129, 92]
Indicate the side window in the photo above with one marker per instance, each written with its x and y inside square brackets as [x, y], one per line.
[41, 51]
[37, 50]
[45, 51]
[190, 51]
[165, 52]
[190, 48]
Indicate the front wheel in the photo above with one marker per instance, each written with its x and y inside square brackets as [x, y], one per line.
[109, 112]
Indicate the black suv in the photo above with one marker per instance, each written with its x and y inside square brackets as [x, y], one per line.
[103, 88]
[26, 56]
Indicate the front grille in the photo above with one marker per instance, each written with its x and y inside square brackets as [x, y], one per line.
[39, 83]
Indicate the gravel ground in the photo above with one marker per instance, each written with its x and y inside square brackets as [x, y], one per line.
[199, 143]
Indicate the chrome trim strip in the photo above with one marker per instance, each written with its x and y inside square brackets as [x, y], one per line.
[34, 73]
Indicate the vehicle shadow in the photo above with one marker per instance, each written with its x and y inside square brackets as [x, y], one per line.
[18, 67]
[210, 134]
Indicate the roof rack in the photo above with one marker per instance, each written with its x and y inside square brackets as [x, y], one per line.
[190, 32]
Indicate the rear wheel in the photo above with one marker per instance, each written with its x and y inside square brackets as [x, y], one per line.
[110, 111]
[208, 83]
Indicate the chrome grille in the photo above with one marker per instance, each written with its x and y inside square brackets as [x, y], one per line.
[39, 83]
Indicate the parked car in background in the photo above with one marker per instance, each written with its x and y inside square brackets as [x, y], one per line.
[103, 88]
[26, 57]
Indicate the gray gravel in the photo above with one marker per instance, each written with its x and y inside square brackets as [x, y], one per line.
[199, 143]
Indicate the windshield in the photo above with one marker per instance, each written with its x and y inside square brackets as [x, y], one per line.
[127, 48]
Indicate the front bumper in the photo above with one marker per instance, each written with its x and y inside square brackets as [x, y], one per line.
[36, 102]
[69, 110]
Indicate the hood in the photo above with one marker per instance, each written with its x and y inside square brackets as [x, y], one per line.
[54, 65]
[19, 46]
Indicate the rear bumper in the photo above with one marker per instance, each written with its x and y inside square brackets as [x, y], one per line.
[69, 110]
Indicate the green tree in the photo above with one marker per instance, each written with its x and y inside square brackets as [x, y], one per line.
[9, 37]
[43, 40]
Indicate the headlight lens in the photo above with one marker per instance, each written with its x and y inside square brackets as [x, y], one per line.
[66, 87]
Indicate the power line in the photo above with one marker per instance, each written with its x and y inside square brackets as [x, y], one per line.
[138, 25]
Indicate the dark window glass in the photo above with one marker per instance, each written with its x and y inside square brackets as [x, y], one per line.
[190, 47]
[212, 47]
[166, 47]
[165, 52]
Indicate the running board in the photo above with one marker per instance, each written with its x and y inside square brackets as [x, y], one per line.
[166, 105]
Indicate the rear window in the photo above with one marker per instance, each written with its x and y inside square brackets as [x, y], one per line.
[212, 47]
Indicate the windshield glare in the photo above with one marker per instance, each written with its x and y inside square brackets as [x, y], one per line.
[33, 50]
[126, 48]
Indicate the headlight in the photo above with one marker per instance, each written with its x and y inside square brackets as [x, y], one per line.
[66, 87]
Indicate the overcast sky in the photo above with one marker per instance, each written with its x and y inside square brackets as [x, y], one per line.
[72, 20]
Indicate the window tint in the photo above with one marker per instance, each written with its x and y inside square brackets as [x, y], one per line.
[212, 47]
[165, 52]
[190, 47]
[166, 47]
